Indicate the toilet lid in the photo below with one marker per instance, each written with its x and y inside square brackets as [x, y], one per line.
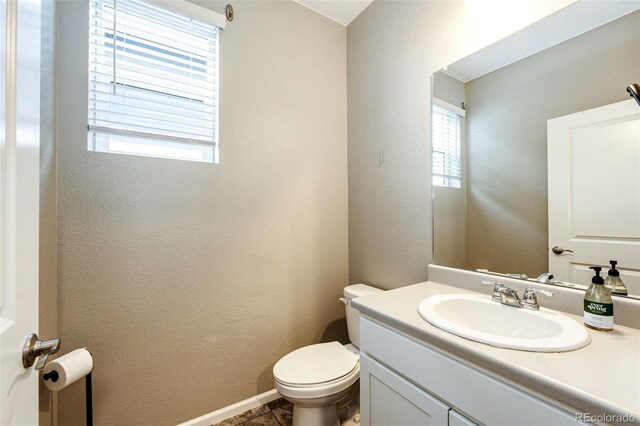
[323, 362]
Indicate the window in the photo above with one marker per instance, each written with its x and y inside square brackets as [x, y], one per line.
[447, 152]
[153, 79]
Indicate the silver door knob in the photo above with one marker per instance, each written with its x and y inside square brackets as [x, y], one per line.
[41, 349]
[560, 250]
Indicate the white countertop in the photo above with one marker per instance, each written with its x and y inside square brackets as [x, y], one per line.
[601, 378]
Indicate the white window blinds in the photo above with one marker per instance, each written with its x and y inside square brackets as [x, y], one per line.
[447, 158]
[153, 74]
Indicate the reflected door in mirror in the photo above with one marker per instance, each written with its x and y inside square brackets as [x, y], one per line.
[594, 202]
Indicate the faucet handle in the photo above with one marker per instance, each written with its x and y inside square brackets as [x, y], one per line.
[529, 299]
[518, 276]
[498, 287]
[532, 291]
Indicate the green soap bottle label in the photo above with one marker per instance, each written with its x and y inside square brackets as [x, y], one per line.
[602, 309]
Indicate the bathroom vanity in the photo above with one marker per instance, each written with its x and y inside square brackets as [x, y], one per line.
[413, 373]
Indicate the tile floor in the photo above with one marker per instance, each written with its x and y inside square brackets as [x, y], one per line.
[275, 413]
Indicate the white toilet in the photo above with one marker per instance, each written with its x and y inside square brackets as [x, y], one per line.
[316, 378]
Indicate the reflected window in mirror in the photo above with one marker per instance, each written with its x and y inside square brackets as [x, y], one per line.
[447, 127]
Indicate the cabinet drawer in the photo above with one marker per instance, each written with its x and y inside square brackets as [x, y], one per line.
[467, 390]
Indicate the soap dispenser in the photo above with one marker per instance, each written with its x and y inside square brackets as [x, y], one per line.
[598, 305]
[613, 282]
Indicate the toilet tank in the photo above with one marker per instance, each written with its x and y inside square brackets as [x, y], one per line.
[353, 315]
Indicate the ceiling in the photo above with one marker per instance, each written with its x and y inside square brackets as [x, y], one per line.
[341, 11]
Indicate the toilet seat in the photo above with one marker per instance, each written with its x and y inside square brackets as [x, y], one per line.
[319, 390]
[315, 364]
[317, 370]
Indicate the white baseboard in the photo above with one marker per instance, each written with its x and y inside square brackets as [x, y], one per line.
[233, 410]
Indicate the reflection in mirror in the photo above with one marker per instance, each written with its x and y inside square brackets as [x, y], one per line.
[496, 218]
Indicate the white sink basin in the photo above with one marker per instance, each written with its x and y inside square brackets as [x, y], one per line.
[477, 317]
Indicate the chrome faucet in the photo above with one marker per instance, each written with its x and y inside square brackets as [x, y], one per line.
[547, 277]
[508, 296]
[503, 294]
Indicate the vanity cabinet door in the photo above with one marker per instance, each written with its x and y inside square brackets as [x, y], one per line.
[387, 399]
[457, 419]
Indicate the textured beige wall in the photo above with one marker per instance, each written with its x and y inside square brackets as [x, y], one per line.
[393, 47]
[507, 143]
[48, 270]
[448, 88]
[188, 281]
[449, 227]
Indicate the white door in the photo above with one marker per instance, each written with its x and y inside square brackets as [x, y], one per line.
[19, 188]
[594, 192]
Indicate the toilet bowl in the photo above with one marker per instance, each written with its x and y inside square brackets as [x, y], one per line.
[316, 378]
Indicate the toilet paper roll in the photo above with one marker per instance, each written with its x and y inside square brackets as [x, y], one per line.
[70, 367]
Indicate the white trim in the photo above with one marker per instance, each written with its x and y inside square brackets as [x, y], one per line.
[446, 105]
[233, 410]
[191, 10]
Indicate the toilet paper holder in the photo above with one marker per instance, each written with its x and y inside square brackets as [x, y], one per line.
[41, 349]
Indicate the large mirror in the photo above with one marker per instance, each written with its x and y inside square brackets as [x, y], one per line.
[492, 211]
